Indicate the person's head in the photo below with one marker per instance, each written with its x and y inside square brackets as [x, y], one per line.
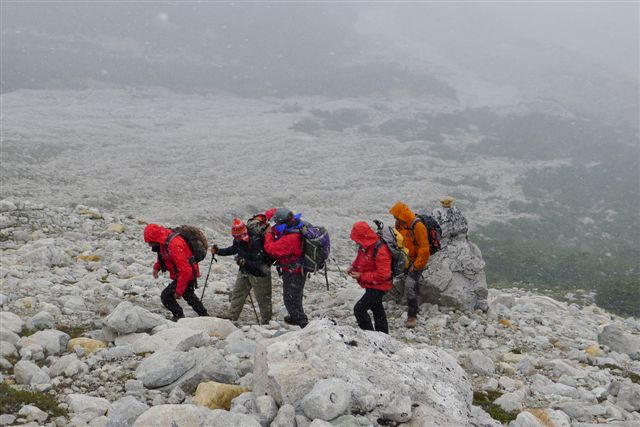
[239, 230]
[447, 202]
[153, 235]
[403, 215]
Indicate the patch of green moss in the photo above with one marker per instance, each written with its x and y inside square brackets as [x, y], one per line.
[74, 331]
[621, 372]
[12, 399]
[485, 400]
[26, 332]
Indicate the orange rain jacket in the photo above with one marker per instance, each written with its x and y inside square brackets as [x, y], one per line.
[415, 239]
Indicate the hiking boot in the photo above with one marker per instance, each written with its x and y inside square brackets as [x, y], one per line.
[289, 321]
[411, 322]
[176, 318]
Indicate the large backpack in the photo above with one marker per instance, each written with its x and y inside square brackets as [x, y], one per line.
[257, 228]
[196, 240]
[316, 247]
[393, 240]
[434, 232]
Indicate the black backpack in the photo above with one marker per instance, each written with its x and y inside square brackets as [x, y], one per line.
[196, 240]
[434, 232]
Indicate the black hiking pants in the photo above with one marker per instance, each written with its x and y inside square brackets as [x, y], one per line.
[371, 300]
[169, 300]
[292, 292]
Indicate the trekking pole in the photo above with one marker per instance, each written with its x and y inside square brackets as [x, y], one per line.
[326, 275]
[254, 307]
[338, 266]
[213, 258]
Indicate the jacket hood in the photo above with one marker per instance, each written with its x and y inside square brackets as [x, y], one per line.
[363, 235]
[154, 233]
[402, 212]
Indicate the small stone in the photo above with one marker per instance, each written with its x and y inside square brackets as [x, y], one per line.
[33, 413]
[286, 417]
[89, 345]
[328, 399]
[216, 395]
[399, 410]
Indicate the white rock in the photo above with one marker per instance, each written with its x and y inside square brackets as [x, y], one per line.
[328, 399]
[267, 408]
[286, 417]
[88, 405]
[164, 367]
[29, 373]
[7, 349]
[124, 412]
[399, 410]
[629, 397]
[33, 413]
[615, 336]
[9, 336]
[287, 368]
[511, 402]
[127, 319]
[11, 321]
[179, 339]
[52, 340]
[479, 363]
[192, 416]
[212, 326]
[42, 320]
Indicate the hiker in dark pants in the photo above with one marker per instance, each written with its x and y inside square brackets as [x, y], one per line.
[283, 242]
[254, 270]
[173, 256]
[372, 270]
[415, 239]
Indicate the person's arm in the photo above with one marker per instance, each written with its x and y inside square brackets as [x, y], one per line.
[422, 242]
[179, 253]
[231, 250]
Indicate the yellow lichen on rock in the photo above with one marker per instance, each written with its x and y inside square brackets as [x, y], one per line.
[593, 350]
[505, 323]
[116, 228]
[89, 258]
[89, 345]
[215, 395]
[542, 416]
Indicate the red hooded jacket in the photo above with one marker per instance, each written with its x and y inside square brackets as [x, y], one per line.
[175, 256]
[286, 249]
[375, 274]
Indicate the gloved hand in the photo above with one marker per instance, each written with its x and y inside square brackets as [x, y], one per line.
[214, 249]
[241, 262]
[155, 273]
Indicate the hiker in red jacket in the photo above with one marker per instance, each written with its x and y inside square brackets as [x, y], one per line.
[284, 244]
[173, 256]
[372, 270]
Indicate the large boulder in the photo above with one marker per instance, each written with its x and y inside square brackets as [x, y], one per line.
[51, 340]
[179, 339]
[127, 318]
[124, 412]
[215, 395]
[167, 370]
[193, 416]
[212, 326]
[455, 277]
[616, 337]
[29, 373]
[289, 366]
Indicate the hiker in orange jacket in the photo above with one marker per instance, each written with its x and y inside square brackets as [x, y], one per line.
[414, 233]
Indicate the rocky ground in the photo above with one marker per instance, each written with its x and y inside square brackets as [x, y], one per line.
[84, 341]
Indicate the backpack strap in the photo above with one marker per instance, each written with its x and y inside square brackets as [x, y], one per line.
[376, 249]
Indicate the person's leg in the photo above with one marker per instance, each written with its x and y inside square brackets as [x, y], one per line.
[241, 289]
[292, 291]
[379, 315]
[169, 301]
[192, 299]
[360, 310]
[412, 293]
[262, 291]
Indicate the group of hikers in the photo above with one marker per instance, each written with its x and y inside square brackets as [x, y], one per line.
[279, 236]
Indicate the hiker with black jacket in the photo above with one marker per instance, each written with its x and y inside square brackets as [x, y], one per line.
[173, 256]
[254, 269]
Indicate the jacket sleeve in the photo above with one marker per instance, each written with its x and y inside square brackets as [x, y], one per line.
[288, 245]
[422, 242]
[231, 250]
[156, 265]
[179, 253]
[382, 273]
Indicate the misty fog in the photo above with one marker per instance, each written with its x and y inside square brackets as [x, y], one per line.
[527, 113]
